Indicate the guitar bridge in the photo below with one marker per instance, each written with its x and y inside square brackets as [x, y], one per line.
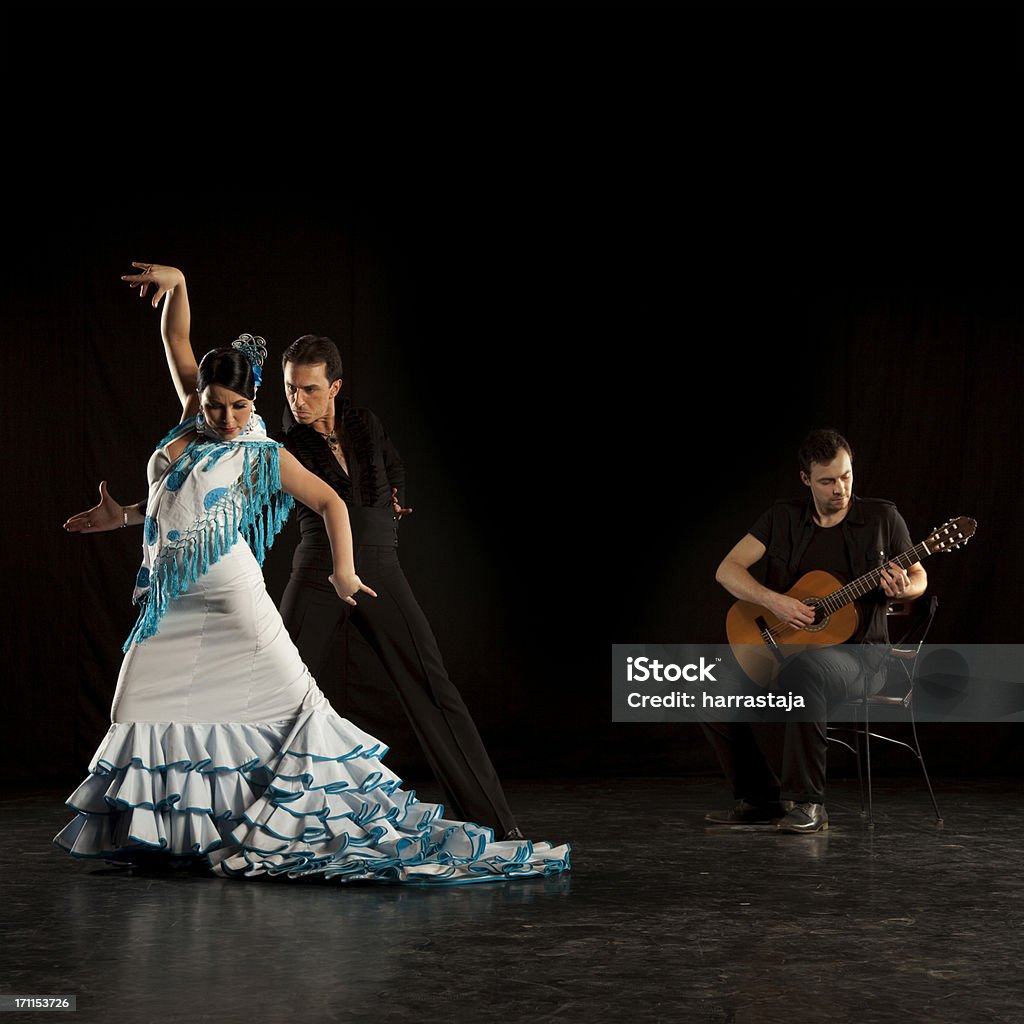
[767, 637]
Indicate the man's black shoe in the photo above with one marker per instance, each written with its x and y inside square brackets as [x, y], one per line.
[513, 835]
[805, 818]
[746, 813]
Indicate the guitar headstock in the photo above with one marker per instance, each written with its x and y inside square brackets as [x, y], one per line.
[953, 534]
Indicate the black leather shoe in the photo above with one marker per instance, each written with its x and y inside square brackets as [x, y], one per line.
[513, 835]
[805, 818]
[746, 813]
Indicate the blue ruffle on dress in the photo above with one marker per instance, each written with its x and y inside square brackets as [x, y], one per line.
[307, 798]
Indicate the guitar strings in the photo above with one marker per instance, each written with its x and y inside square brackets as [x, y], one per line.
[869, 581]
[858, 588]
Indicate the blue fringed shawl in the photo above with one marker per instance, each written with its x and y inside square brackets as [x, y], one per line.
[198, 507]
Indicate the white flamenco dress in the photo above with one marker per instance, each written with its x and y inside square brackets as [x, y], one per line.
[222, 747]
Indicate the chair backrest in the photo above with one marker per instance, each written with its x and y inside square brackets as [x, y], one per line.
[916, 622]
[917, 618]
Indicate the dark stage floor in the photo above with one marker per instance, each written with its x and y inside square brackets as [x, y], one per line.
[662, 919]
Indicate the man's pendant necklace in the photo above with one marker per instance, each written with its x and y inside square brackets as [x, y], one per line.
[336, 450]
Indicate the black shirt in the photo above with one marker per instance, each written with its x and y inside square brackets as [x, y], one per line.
[873, 532]
[374, 467]
[826, 551]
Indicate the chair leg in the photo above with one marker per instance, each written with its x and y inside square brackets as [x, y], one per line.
[867, 761]
[920, 759]
[860, 773]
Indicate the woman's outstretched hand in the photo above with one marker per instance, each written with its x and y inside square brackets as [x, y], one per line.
[347, 587]
[107, 515]
[163, 279]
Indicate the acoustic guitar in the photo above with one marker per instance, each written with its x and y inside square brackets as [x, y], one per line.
[761, 642]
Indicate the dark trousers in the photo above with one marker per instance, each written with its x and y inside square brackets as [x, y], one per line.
[823, 677]
[396, 629]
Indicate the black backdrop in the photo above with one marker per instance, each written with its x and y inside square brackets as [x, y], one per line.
[597, 269]
[592, 410]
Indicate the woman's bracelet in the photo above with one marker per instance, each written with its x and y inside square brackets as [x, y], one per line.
[124, 515]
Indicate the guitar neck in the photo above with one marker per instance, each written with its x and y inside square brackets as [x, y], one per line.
[871, 580]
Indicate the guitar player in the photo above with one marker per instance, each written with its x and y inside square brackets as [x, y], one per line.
[829, 529]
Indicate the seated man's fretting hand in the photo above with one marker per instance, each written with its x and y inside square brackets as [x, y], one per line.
[895, 581]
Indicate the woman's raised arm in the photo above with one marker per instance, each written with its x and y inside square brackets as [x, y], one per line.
[175, 326]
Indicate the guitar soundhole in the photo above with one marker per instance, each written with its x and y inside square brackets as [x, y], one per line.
[820, 618]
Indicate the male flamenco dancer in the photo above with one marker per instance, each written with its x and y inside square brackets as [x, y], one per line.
[349, 449]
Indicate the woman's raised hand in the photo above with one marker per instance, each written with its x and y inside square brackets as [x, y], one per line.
[107, 515]
[163, 279]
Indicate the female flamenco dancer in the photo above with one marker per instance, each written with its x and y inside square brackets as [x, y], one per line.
[223, 754]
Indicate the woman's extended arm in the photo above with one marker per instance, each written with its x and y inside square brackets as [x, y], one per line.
[314, 493]
[106, 515]
[175, 327]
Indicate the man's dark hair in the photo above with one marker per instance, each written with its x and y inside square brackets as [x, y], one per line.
[311, 349]
[821, 446]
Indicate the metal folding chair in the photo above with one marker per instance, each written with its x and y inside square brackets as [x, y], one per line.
[904, 653]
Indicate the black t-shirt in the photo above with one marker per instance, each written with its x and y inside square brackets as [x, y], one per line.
[826, 551]
[872, 533]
